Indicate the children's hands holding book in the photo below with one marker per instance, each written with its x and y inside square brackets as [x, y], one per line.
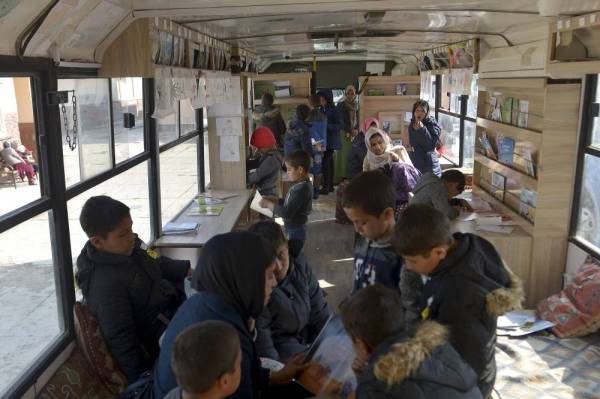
[289, 371]
[268, 202]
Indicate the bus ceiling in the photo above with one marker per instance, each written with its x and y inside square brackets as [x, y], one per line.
[70, 30]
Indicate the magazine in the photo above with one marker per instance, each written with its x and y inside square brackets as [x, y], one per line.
[203, 200]
[506, 150]
[506, 110]
[331, 357]
[518, 323]
[523, 113]
[206, 210]
[498, 185]
[401, 89]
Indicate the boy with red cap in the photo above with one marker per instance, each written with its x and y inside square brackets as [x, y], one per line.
[268, 166]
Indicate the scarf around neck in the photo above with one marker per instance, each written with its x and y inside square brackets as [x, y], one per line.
[377, 161]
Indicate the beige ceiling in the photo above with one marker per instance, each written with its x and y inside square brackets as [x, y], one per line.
[79, 29]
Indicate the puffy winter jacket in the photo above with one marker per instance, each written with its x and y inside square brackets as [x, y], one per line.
[297, 137]
[430, 190]
[266, 173]
[132, 297]
[271, 118]
[296, 313]
[467, 292]
[423, 366]
[424, 142]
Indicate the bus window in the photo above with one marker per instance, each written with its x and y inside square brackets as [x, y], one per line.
[167, 127]
[188, 117]
[19, 156]
[128, 106]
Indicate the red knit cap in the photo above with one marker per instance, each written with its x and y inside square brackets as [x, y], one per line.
[263, 138]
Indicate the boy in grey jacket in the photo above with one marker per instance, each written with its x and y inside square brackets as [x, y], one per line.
[265, 171]
[439, 193]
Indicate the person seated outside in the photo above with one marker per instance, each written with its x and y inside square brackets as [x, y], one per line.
[393, 362]
[266, 115]
[467, 285]
[264, 172]
[297, 205]
[439, 193]
[369, 202]
[206, 361]
[297, 136]
[130, 290]
[15, 161]
[297, 309]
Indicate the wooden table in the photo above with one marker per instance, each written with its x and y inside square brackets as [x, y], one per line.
[210, 226]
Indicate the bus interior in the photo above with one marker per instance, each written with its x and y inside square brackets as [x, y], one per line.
[152, 102]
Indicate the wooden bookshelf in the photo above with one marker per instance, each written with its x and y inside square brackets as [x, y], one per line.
[285, 101]
[300, 90]
[551, 138]
[389, 102]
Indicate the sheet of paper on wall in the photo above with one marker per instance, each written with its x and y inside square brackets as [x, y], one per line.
[232, 92]
[229, 148]
[229, 126]
[255, 205]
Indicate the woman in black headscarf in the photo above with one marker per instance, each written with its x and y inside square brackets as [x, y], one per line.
[234, 277]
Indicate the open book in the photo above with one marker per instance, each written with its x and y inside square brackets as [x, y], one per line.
[255, 205]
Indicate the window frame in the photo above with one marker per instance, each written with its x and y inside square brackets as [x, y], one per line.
[54, 194]
[464, 98]
[589, 111]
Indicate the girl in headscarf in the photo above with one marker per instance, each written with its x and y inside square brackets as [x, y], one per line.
[348, 109]
[379, 150]
[424, 133]
[234, 277]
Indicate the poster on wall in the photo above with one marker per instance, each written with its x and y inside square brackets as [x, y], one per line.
[229, 149]
[229, 126]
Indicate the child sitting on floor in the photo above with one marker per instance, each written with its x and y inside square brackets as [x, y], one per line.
[206, 360]
[369, 202]
[297, 205]
[392, 362]
[468, 286]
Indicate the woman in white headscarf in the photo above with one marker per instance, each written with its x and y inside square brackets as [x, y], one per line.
[348, 111]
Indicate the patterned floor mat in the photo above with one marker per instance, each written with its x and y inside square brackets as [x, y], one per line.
[546, 367]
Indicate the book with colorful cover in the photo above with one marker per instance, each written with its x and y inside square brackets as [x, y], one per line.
[202, 200]
[401, 89]
[523, 113]
[486, 146]
[498, 185]
[206, 210]
[507, 109]
[506, 150]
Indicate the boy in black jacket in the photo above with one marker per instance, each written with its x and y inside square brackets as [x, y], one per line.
[297, 205]
[468, 285]
[130, 290]
[393, 363]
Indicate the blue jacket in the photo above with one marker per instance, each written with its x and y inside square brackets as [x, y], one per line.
[317, 122]
[208, 306]
[334, 123]
[297, 137]
[424, 142]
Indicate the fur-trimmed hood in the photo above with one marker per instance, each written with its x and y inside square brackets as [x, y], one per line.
[261, 113]
[425, 359]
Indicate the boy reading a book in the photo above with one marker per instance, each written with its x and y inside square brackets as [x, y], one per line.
[264, 171]
[439, 193]
[206, 361]
[468, 286]
[394, 363]
[297, 205]
[130, 290]
[369, 202]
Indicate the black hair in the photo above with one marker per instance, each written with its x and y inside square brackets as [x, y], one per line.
[373, 314]
[372, 192]
[421, 228]
[302, 111]
[314, 100]
[203, 353]
[299, 158]
[455, 176]
[100, 215]
[270, 231]
[6, 144]
[267, 99]
[420, 103]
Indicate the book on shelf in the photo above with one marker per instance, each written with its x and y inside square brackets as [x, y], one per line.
[206, 210]
[282, 89]
[173, 228]
[375, 92]
[498, 185]
[401, 89]
[528, 159]
[522, 119]
[486, 146]
[506, 150]
[506, 110]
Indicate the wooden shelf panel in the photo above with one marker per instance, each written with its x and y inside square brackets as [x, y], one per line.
[527, 83]
[392, 98]
[515, 132]
[506, 170]
[281, 76]
[375, 80]
[284, 101]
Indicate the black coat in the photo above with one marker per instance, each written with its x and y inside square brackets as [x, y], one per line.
[295, 314]
[132, 297]
[356, 155]
[424, 142]
[467, 292]
[423, 366]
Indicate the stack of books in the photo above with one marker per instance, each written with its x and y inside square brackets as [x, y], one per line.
[173, 228]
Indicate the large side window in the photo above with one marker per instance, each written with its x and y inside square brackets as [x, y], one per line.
[585, 219]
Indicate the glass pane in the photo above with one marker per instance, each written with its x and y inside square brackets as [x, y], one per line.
[450, 137]
[18, 145]
[30, 317]
[472, 103]
[178, 177]
[469, 144]
[433, 92]
[167, 127]
[588, 222]
[206, 161]
[188, 117]
[128, 110]
[455, 103]
[91, 156]
[131, 188]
